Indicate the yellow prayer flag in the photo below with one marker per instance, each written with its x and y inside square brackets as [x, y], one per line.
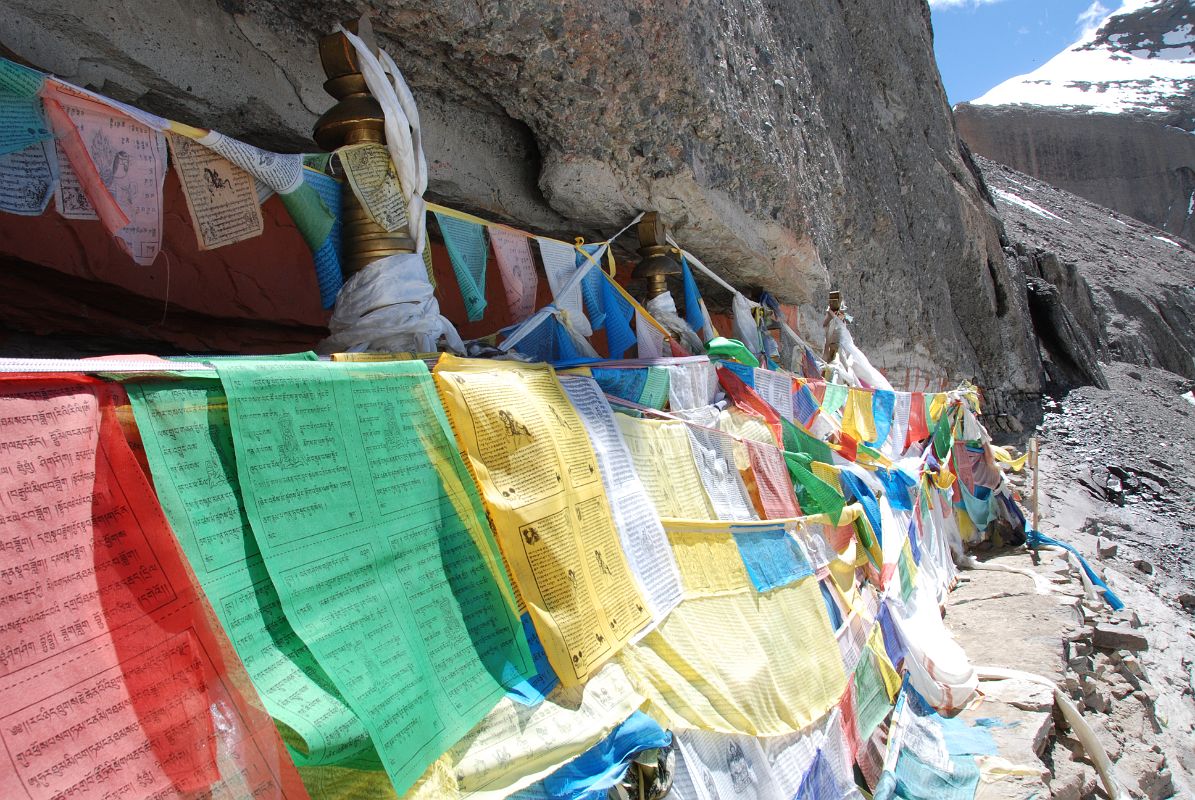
[1003, 455]
[760, 664]
[875, 642]
[531, 457]
[829, 474]
[937, 405]
[857, 419]
[664, 459]
[707, 557]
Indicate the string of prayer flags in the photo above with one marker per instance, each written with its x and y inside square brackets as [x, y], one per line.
[512, 252]
[221, 198]
[111, 167]
[560, 263]
[465, 242]
[531, 457]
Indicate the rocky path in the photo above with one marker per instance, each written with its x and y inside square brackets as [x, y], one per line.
[1118, 482]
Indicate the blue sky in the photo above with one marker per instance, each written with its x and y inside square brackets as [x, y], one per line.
[980, 43]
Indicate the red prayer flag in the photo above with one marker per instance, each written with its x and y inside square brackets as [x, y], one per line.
[114, 677]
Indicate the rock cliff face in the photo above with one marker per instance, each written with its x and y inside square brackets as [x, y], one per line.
[1111, 288]
[791, 145]
[1133, 165]
[1110, 119]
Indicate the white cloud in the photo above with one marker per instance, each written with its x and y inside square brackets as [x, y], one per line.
[945, 5]
[1089, 20]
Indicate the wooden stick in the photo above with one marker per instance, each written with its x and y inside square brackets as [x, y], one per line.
[1033, 453]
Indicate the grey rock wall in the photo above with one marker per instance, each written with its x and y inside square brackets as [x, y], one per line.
[792, 145]
[1136, 166]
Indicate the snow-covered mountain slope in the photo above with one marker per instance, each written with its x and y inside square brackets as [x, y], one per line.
[1139, 60]
[1111, 118]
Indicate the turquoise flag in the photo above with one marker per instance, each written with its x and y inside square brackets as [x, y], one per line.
[467, 249]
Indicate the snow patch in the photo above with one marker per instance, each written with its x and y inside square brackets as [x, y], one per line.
[1168, 241]
[1028, 205]
[1179, 36]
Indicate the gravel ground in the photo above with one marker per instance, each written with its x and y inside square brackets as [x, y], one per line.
[1131, 449]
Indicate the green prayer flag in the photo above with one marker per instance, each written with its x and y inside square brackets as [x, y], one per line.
[943, 434]
[467, 250]
[373, 533]
[655, 388]
[310, 215]
[18, 80]
[20, 108]
[798, 441]
[834, 398]
[721, 347]
[815, 495]
[871, 696]
[188, 444]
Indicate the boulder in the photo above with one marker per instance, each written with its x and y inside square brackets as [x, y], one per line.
[1119, 637]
